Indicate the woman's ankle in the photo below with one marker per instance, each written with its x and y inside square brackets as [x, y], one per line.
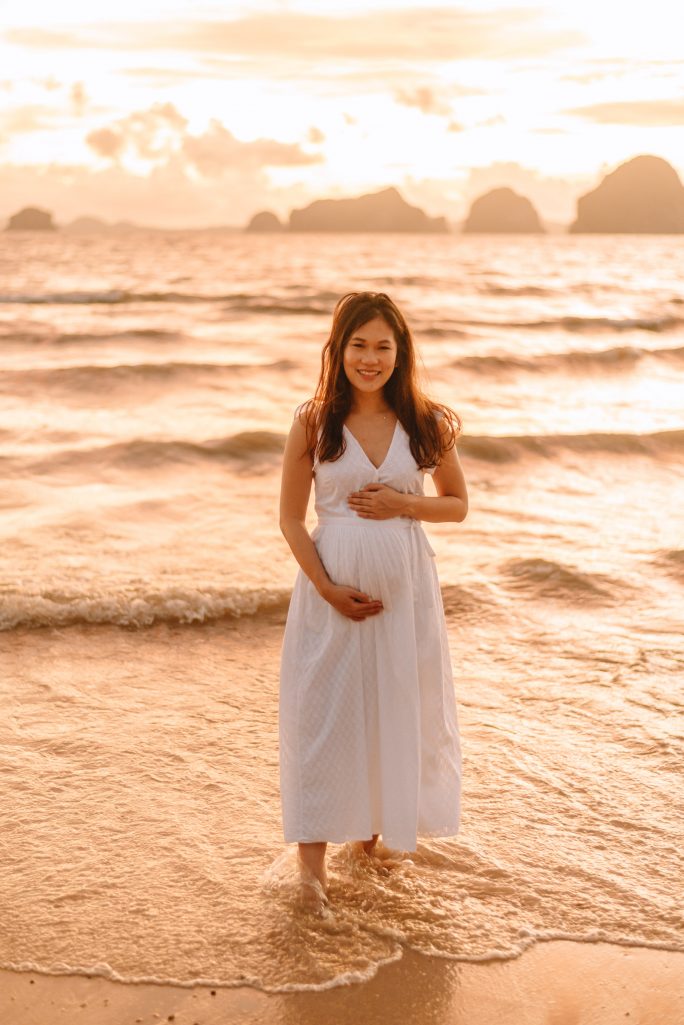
[311, 860]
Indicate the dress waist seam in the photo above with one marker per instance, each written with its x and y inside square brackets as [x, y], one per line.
[405, 522]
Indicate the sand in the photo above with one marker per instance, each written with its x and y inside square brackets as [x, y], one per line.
[553, 983]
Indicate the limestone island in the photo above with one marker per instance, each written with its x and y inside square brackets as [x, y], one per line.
[31, 218]
[87, 226]
[384, 211]
[265, 222]
[643, 196]
[502, 211]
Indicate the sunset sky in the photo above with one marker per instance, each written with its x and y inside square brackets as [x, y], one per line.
[194, 114]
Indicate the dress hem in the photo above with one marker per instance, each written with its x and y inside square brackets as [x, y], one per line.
[347, 838]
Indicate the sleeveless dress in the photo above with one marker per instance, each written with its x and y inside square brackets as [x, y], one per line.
[368, 725]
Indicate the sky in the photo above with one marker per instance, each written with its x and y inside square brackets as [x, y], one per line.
[201, 114]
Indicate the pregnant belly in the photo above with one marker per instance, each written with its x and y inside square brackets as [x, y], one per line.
[375, 556]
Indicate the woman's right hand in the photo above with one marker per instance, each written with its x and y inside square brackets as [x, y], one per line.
[355, 604]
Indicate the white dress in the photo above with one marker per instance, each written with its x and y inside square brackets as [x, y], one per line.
[369, 736]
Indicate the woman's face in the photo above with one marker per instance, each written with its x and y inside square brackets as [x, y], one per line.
[369, 356]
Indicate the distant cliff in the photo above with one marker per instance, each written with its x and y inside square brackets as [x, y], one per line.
[384, 211]
[503, 210]
[31, 218]
[642, 196]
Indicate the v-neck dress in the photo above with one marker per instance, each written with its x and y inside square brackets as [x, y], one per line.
[368, 724]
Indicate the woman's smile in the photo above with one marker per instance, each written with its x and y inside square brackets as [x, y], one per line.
[371, 353]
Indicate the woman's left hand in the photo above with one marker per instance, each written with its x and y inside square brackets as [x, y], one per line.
[378, 502]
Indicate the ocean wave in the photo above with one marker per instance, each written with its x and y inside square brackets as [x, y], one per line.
[440, 331]
[94, 377]
[137, 606]
[578, 324]
[582, 359]
[320, 304]
[510, 448]
[45, 338]
[673, 562]
[397, 280]
[546, 578]
[147, 453]
[316, 302]
[535, 290]
[108, 297]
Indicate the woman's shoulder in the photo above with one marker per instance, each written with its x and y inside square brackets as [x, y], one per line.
[449, 425]
[305, 415]
[449, 422]
[305, 411]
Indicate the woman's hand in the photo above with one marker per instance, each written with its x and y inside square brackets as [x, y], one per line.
[378, 502]
[350, 602]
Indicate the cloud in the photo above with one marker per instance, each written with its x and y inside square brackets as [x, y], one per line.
[49, 84]
[421, 33]
[417, 33]
[162, 78]
[148, 134]
[160, 133]
[492, 122]
[606, 68]
[30, 117]
[168, 196]
[42, 39]
[69, 101]
[107, 142]
[78, 98]
[425, 99]
[646, 113]
[218, 149]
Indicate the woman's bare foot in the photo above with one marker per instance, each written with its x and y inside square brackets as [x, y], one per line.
[367, 846]
[382, 859]
[313, 885]
[312, 897]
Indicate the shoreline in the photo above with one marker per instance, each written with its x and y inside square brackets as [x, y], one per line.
[554, 982]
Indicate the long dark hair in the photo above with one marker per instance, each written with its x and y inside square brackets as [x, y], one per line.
[332, 400]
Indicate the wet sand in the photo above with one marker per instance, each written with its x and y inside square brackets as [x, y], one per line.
[554, 983]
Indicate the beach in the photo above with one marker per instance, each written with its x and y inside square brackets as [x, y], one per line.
[560, 982]
[145, 397]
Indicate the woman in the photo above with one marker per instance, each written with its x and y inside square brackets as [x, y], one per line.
[369, 740]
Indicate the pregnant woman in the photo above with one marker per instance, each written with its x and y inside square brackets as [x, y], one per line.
[369, 737]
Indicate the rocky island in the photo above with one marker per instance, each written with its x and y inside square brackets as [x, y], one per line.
[643, 196]
[502, 210]
[384, 211]
[31, 218]
[265, 221]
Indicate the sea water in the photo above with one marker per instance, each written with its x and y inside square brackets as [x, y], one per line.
[147, 384]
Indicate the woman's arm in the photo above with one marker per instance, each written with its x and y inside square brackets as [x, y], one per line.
[451, 502]
[294, 499]
[381, 502]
